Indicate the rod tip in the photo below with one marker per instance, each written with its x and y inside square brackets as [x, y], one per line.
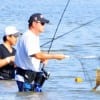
[66, 56]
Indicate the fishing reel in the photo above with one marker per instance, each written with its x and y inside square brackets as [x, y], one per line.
[46, 74]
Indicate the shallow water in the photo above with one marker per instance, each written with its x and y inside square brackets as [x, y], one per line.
[82, 44]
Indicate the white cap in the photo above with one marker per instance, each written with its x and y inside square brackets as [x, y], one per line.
[10, 30]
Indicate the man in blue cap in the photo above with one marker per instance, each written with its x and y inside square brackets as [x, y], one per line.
[29, 76]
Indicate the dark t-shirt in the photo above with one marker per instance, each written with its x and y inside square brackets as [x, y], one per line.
[6, 72]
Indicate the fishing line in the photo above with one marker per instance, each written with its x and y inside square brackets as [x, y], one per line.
[85, 72]
[74, 29]
[84, 69]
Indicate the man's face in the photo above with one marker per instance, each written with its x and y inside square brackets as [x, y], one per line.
[12, 39]
[39, 26]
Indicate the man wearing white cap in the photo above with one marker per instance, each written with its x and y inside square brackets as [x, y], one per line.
[7, 53]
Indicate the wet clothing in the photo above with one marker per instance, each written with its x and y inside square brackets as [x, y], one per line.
[7, 71]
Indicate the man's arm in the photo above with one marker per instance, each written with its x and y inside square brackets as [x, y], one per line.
[6, 61]
[43, 56]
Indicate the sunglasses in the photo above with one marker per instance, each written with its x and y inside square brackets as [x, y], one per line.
[42, 23]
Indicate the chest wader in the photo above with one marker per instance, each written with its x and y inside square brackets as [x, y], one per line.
[33, 80]
[40, 79]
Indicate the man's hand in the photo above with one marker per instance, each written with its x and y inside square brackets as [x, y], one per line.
[10, 59]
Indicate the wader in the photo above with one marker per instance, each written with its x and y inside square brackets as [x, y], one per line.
[33, 80]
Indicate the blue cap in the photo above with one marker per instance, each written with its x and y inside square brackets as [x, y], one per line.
[38, 18]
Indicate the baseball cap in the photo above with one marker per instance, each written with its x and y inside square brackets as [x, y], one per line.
[38, 17]
[11, 30]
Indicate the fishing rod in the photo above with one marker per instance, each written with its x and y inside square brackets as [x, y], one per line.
[66, 6]
[58, 25]
[74, 29]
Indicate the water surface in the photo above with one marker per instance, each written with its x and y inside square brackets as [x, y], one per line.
[82, 44]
